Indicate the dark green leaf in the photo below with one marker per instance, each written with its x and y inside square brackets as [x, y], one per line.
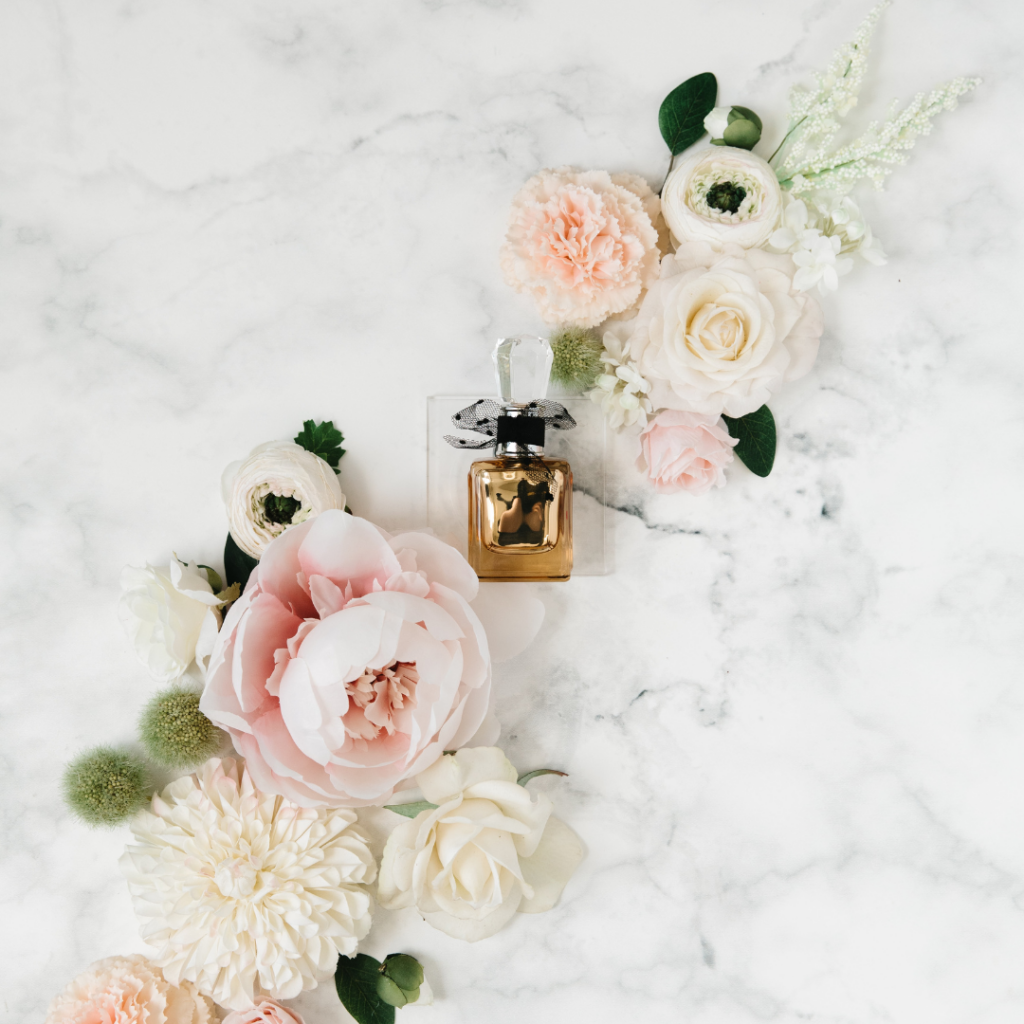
[410, 810]
[237, 564]
[682, 113]
[742, 134]
[747, 114]
[524, 779]
[756, 435]
[323, 439]
[356, 981]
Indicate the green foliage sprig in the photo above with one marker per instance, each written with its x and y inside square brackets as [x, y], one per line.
[323, 440]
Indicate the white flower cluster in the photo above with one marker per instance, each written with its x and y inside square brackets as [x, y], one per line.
[820, 233]
[621, 390]
[808, 163]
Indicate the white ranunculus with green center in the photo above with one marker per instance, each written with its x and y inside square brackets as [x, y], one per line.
[722, 195]
[279, 485]
[488, 850]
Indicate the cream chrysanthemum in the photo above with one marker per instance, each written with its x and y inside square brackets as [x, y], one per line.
[244, 893]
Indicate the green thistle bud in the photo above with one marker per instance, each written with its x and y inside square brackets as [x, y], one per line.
[175, 732]
[576, 362]
[400, 979]
[106, 785]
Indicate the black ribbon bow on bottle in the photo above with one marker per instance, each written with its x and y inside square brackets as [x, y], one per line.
[486, 416]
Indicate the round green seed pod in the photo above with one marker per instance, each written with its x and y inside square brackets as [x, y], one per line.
[175, 732]
[742, 134]
[576, 362]
[106, 785]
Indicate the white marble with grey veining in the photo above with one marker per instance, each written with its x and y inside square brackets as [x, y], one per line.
[793, 716]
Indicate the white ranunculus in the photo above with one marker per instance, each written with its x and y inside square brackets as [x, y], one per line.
[719, 195]
[283, 469]
[723, 328]
[489, 849]
[171, 616]
[717, 121]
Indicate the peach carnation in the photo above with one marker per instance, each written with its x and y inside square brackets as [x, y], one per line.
[582, 243]
[129, 990]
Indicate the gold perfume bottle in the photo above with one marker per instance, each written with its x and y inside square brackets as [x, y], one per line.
[520, 503]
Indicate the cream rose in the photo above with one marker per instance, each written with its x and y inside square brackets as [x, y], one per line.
[279, 485]
[721, 195]
[722, 329]
[489, 849]
[171, 616]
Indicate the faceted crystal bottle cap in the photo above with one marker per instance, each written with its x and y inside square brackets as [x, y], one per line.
[523, 366]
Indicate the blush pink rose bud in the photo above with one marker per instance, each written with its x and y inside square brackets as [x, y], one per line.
[685, 451]
[266, 1011]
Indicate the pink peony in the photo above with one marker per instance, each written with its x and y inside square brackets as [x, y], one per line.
[266, 1011]
[685, 451]
[129, 990]
[354, 659]
[582, 243]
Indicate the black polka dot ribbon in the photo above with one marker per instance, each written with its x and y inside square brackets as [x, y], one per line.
[488, 417]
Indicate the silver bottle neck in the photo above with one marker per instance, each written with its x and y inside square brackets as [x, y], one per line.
[513, 450]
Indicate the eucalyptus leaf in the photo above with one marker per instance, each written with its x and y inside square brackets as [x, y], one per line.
[742, 134]
[410, 810]
[757, 439]
[237, 564]
[682, 113]
[524, 779]
[356, 981]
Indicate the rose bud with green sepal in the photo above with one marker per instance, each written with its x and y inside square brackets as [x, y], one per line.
[400, 979]
[734, 126]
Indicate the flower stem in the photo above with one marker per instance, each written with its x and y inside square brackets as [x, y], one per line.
[785, 137]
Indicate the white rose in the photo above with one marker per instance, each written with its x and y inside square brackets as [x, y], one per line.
[721, 194]
[171, 616]
[722, 329]
[278, 469]
[488, 850]
[717, 121]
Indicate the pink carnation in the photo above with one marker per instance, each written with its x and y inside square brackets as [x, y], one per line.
[129, 990]
[685, 451]
[355, 659]
[266, 1011]
[582, 243]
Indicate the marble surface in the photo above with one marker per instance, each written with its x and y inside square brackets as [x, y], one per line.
[792, 716]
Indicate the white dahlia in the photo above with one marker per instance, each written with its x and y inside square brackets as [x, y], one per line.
[244, 893]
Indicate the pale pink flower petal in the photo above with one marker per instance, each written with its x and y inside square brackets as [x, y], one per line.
[685, 451]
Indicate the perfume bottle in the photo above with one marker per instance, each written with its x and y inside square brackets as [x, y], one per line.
[520, 503]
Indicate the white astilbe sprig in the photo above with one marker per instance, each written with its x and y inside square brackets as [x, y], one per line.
[805, 161]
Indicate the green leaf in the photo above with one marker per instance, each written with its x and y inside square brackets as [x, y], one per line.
[756, 435]
[216, 583]
[524, 779]
[682, 113]
[410, 810]
[356, 981]
[742, 134]
[237, 564]
[323, 440]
